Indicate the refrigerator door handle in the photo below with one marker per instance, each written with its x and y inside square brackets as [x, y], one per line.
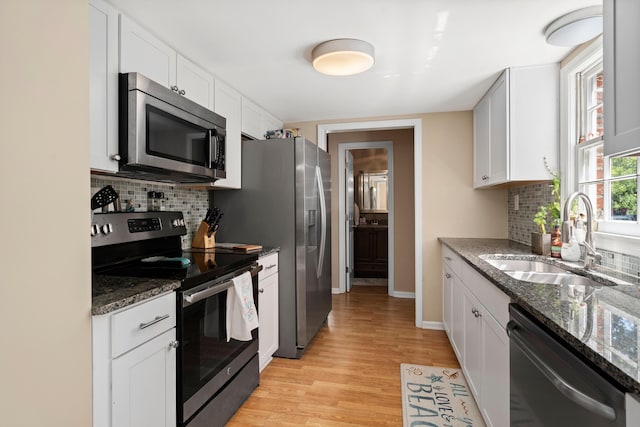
[323, 216]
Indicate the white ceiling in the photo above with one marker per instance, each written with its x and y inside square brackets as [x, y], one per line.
[431, 55]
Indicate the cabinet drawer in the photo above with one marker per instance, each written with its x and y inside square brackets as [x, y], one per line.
[452, 260]
[270, 264]
[134, 326]
[494, 300]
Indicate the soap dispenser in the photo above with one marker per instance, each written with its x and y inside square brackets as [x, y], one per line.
[571, 250]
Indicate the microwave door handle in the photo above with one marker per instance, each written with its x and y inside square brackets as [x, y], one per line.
[213, 149]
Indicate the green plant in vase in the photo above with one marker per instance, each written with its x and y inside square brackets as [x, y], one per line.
[546, 217]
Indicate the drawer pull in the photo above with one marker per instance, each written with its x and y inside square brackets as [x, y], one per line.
[174, 344]
[447, 275]
[154, 321]
[270, 267]
[448, 258]
[261, 290]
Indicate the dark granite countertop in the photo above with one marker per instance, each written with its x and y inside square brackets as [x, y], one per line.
[612, 344]
[110, 293]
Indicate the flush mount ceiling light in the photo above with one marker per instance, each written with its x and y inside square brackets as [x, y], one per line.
[575, 27]
[342, 57]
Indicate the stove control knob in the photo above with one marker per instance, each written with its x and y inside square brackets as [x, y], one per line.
[94, 230]
[106, 228]
[182, 222]
[175, 223]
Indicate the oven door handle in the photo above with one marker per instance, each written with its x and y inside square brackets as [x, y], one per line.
[569, 391]
[198, 296]
[189, 299]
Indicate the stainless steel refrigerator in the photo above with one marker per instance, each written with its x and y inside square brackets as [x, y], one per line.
[285, 202]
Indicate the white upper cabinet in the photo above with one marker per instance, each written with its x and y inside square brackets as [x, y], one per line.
[228, 103]
[256, 121]
[516, 126]
[621, 71]
[195, 83]
[103, 85]
[142, 52]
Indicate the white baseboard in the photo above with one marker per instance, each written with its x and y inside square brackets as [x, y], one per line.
[397, 294]
[437, 326]
[336, 291]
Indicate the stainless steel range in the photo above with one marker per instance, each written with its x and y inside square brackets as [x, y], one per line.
[214, 377]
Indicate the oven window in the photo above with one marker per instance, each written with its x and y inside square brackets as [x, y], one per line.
[205, 349]
[173, 138]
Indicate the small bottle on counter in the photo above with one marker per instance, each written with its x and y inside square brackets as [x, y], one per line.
[556, 242]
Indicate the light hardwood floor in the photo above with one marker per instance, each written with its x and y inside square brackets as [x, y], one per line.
[350, 374]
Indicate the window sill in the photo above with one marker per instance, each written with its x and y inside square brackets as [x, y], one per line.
[617, 242]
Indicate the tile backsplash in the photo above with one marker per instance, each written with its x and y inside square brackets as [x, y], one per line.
[521, 225]
[193, 203]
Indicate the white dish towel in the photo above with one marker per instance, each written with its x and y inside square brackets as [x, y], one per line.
[242, 316]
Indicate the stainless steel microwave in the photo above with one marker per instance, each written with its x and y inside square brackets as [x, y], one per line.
[167, 137]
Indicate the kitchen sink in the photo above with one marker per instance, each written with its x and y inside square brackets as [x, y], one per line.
[537, 271]
[565, 278]
[524, 265]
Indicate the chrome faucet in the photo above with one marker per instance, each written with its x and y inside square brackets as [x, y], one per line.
[590, 255]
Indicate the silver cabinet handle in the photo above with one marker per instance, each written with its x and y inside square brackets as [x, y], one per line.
[447, 275]
[116, 157]
[448, 258]
[560, 383]
[476, 312]
[174, 344]
[174, 88]
[181, 92]
[270, 267]
[154, 321]
[261, 290]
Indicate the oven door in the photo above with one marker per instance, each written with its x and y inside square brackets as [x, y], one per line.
[206, 361]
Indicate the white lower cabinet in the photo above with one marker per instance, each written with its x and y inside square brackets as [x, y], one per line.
[268, 334]
[134, 365]
[143, 384]
[477, 314]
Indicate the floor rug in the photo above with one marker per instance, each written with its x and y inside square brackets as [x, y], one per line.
[436, 396]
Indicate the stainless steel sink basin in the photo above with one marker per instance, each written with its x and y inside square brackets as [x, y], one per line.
[537, 271]
[521, 265]
[553, 278]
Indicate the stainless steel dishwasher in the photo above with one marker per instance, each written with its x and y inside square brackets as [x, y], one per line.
[551, 386]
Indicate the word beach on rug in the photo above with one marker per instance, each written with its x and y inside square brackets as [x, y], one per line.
[438, 397]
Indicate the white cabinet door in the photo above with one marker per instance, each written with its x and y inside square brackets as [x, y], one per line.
[473, 346]
[499, 151]
[142, 52]
[228, 103]
[251, 119]
[268, 330]
[144, 385]
[195, 83]
[494, 391]
[103, 86]
[447, 289]
[621, 71]
[457, 317]
[482, 142]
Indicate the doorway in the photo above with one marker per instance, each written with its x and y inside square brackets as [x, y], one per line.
[366, 205]
[414, 124]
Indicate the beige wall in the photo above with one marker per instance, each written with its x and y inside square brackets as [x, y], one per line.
[451, 207]
[403, 202]
[45, 290]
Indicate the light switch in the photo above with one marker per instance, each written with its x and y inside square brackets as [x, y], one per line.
[516, 202]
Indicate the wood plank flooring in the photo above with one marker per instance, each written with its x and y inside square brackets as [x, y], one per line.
[350, 374]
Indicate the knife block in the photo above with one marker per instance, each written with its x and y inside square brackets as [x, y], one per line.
[201, 240]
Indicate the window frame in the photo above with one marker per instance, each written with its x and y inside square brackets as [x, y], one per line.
[612, 235]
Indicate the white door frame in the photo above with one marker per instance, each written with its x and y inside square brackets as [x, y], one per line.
[416, 125]
[342, 255]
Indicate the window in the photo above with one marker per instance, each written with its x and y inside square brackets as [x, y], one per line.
[610, 182]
